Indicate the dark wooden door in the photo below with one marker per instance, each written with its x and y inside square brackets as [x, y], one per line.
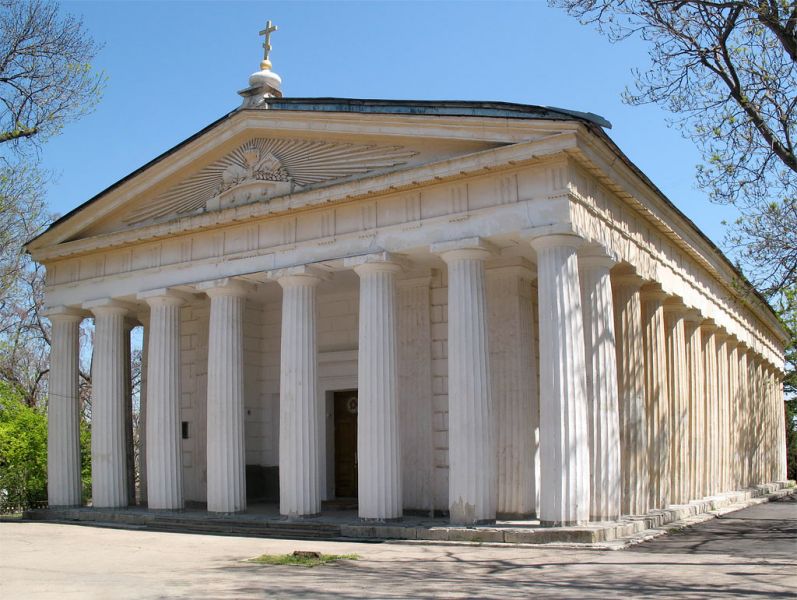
[346, 444]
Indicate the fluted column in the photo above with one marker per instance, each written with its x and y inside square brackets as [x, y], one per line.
[299, 450]
[732, 456]
[164, 458]
[723, 405]
[108, 457]
[631, 378]
[780, 472]
[658, 396]
[415, 392]
[711, 395]
[514, 387]
[564, 442]
[678, 387]
[743, 422]
[64, 487]
[696, 399]
[602, 387]
[226, 466]
[472, 491]
[379, 456]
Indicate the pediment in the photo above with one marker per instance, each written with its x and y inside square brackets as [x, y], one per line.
[281, 157]
[264, 168]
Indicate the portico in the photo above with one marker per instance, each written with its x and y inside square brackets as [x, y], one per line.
[531, 327]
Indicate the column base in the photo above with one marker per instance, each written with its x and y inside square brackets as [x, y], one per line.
[563, 523]
[371, 521]
[530, 516]
[300, 517]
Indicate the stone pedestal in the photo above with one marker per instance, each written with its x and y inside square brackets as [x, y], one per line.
[299, 450]
[602, 390]
[225, 409]
[658, 396]
[164, 456]
[64, 486]
[631, 386]
[379, 457]
[514, 388]
[472, 489]
[564, 442]
[108, 457]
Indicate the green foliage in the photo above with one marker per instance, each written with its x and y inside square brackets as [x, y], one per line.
[23, 451]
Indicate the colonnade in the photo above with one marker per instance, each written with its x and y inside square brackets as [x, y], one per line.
[643, 402]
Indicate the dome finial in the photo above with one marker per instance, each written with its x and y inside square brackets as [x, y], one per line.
[264, 83]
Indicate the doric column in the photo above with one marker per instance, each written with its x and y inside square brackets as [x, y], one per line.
[226, 467]
[299, 443]
[472, 492]
[697, 404]
[711, 395]
[780, 472]
[564, 441]
[723, 405]
[602, 390]
[678, 387]
[415, 391]
[734, 416]
[658, 396]
[108, 458]
[64, 487]
[379, 455]
[164, 458]
[631, 379]
[743, 422]
[514, 387]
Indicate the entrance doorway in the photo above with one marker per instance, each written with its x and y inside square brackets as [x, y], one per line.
[345, 444]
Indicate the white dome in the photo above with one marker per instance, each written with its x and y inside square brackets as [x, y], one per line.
[266, 77]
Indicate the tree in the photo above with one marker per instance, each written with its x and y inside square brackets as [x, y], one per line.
[46, 81]
[727, 70]
[23, 452]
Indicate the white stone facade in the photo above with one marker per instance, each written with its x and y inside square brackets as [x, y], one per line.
[532, 328]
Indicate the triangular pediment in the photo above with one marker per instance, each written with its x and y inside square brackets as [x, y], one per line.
[251, 157]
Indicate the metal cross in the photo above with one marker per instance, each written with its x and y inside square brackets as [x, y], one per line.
[266, 44]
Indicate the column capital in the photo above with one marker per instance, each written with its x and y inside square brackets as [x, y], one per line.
[653, 291]
[592, 256]
[625, 275]
[693, 316]
[109, 306]
[164, 297]
[709, 325]
[474, 248]
[64, 314]
[516, 266]
[375, 262]
[674, 306]
[225, 287]
[298, 275]
[549, 236]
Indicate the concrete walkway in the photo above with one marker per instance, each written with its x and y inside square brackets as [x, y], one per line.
[748, 554]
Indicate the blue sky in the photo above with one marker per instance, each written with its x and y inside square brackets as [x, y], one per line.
[174, 67]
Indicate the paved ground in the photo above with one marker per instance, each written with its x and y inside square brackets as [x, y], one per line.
[748, 554]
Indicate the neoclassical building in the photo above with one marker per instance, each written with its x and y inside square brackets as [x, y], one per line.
[477, 308]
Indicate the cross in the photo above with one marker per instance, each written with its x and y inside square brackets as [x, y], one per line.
[267, 32]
